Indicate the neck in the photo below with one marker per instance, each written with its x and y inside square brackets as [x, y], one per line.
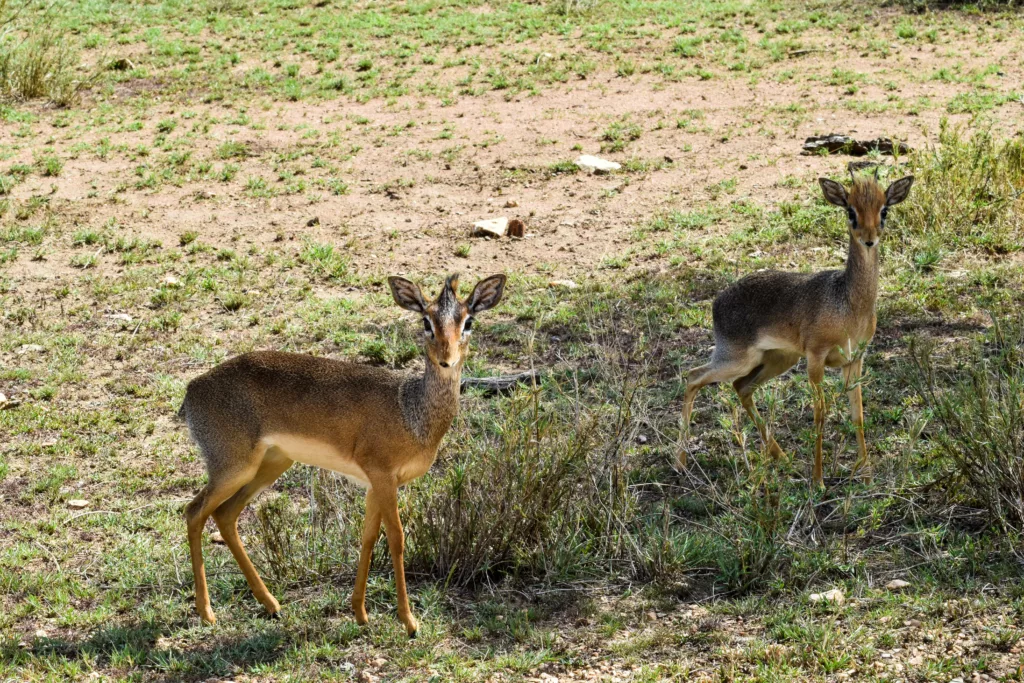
[862, 275]
[431, 401]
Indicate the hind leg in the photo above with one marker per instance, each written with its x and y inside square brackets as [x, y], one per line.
[718, 370]
[273, 466]
[773, 364]
[221, 486]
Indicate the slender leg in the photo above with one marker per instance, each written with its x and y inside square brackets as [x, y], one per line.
[371, 531]
[196, 514]
[713, 372]
[226, 516]
[774, 364]
[852, 373]
[388, 505]
[693, 385]
[816, 373]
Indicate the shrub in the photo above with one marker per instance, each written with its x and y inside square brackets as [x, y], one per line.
[979, 419]
[35, 61]
[966, 191]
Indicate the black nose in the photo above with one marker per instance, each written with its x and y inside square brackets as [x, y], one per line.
[869, 244]
[442, 364]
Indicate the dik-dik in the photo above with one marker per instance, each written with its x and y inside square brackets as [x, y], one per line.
[256, 414]
[766, 322]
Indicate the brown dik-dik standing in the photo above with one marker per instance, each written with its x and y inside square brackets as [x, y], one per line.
[765, 322]
[256, 414]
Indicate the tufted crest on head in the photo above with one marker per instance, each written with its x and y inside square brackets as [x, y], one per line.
[448, 304]
[866, 196]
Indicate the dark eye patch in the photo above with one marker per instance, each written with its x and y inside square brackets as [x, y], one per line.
[468, 325]
[852, 214]
[426, 325]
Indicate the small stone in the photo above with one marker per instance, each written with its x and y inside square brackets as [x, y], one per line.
[78, 504]
[494, 227]
[897, 585]
[315, 220]
[834, 596]
[216, 537]
[163, 643]
[367, 677]
[641, 439]
[563, 284]
[651, 616]
[593, 164]
[41, 634]
[380, 661]
[172, 281]
[511, 204]
[123, 317]
[30, 348]
[516, 228]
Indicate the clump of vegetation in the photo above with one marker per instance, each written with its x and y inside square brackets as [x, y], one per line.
[35, 63]
[978, 412]
[966, 190]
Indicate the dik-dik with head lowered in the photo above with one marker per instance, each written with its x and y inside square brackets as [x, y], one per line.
[256, 414]
[766, 322]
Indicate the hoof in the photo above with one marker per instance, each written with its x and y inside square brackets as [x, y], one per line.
[207, 616]
[276, 616]
[412, 636]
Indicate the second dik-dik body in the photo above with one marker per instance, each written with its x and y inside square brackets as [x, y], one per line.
[255, 415]
[766, 322]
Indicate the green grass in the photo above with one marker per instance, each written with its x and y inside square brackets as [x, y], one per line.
[553, 534]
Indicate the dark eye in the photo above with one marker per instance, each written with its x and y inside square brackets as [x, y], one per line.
[885, 212]
[426, 325]
[852, 215]
[468, 325]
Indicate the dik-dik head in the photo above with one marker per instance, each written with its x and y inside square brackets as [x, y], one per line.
[448, 320]
[867, 205]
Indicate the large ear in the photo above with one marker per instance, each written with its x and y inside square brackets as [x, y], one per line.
[834, 192]
[407, 294]
[486, 294]
[898, 191]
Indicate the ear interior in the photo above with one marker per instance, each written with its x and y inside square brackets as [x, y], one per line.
[834, 192]
[407, 294]
[899, 190]
[486, 294]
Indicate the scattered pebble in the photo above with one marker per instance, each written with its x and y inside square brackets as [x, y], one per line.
[78, 504]
[897, 585]
[494, 227]
[563, 284]
[30, 348]
[123, 317]
[511, 204]
[216, 537]
[834, 596]
[593, 164]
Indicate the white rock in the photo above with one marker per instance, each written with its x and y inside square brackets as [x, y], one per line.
[172, 281]
[216, 537]
[593, 164]
[494, 227]
[124, 317]
[30, 348]
[897, 585]
[78, 504]
[834, 596]
[563, 284]
[41, 633]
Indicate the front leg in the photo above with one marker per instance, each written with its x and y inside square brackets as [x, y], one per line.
[852, 374]
[816, 373]
[388, 503]
[371, 531]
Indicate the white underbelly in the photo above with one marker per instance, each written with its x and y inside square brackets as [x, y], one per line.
[318, 454]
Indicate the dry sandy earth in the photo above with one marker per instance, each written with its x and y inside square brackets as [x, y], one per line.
[747, 132]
